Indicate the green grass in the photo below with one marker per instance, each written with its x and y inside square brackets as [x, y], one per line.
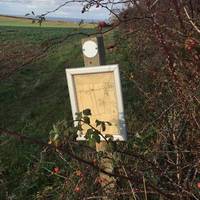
[32, 98]
[35, 96]
[22, 22]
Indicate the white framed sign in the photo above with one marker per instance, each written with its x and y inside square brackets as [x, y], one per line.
[99, 89]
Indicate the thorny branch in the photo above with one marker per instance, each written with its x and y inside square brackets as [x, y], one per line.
[176, 147]
[79, 159]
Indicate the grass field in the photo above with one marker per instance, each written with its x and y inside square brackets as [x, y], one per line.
[33, 96]
[16, 21]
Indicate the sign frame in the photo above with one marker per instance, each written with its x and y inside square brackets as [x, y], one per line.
[71, 72]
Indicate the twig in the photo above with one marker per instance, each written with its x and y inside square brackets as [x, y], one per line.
[129, 184]
[159, 117]
[190, 20]
[145, 190]
[79, 159]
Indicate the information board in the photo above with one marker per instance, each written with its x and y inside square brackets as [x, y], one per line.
[99, 89]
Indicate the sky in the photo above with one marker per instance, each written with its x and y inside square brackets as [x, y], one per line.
[21, 7]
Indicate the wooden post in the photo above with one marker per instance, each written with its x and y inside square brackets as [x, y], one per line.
[95, 56]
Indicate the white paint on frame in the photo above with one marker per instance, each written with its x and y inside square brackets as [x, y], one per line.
[99, 89]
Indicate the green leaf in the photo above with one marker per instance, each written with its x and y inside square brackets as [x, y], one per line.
[92, 136]
[87, 112]
[108, 136]
[109, 124]
[55, 137]
[97, 122]
[78, 115]
[103, 125]
[86, 120]
[89, 133]
[91, 142]
[55, 128]
[97, 137]
[79, 127]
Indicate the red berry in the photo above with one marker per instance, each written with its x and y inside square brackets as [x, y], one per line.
[56, 170]
[94, 162]
[102, 24]
[190, 43]
[77, 189]
[198, 185]
[79, 173]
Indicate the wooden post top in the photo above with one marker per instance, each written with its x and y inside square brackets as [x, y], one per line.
[93, 51]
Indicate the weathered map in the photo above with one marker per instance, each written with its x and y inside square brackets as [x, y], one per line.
[97, 92]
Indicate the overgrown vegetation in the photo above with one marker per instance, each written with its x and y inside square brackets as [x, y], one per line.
[34, 96]
[157, 47]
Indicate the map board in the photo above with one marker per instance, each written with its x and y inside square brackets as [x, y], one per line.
[99, 89]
